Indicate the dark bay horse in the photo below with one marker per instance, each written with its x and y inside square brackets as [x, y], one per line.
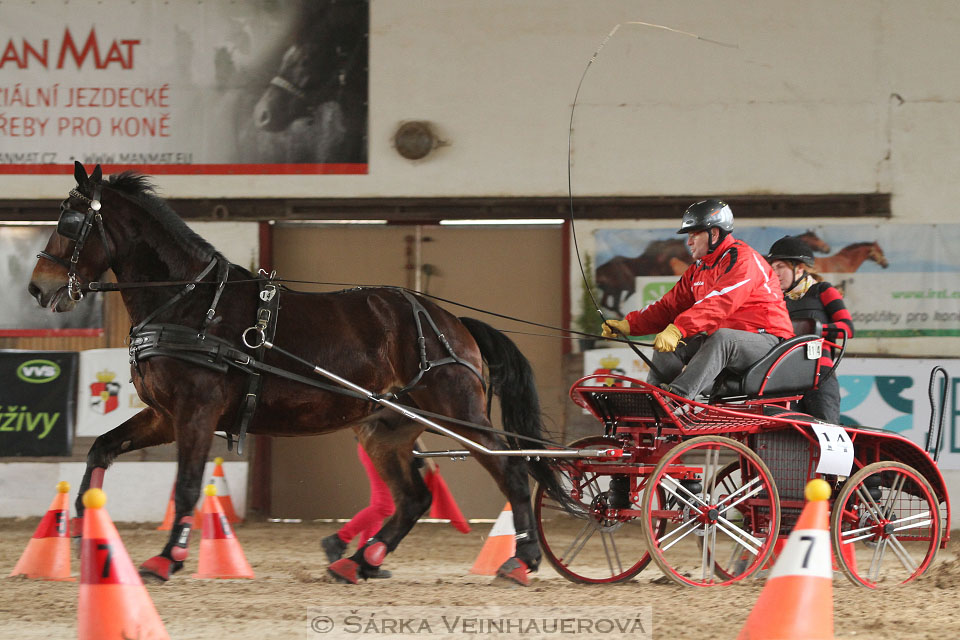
[379, 338]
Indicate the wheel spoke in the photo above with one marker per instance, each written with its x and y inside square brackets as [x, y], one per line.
[673, 492]
[685, 529]
[877, 560]
[905, 558]
[605, 538]
[754, 487]
[740, 536]
[576, 545]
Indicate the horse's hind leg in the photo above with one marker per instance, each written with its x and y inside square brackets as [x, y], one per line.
[511, 475]
[389, 444]
[145, 429]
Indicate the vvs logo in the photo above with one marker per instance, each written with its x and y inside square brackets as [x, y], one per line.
[38, 371]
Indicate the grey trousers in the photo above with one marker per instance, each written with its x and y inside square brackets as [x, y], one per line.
[694, 366]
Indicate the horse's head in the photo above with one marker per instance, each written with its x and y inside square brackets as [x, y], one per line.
[875, 253]
[75, 252]
[316, 67]
[814, 242]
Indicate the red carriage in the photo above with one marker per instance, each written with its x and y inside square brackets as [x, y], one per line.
[708, 490]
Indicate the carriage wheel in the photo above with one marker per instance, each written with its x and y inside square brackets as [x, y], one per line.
[594, 544]
[720, 509]
[888, 529]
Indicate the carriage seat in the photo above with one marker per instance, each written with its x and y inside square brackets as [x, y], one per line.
[789, 369]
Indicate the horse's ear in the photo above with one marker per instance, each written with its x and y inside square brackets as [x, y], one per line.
[79, 173]
[97, 174]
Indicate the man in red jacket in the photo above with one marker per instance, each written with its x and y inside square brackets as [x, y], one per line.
[727, 310]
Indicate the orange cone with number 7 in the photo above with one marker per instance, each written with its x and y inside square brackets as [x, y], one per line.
[47, 555]
[113, 604]
[797, 600]
[220, 553]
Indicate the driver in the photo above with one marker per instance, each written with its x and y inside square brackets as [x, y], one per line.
[727, 310]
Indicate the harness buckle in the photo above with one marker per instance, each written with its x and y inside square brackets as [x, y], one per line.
[73, 287]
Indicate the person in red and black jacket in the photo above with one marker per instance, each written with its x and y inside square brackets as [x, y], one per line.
[727, 310]
[808, 296]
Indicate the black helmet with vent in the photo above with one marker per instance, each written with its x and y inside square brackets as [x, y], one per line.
[791, 249]
[707, 214]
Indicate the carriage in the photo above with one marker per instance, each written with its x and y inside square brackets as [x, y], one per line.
[709, 490]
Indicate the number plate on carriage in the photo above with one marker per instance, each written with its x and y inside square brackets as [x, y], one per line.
[836, 449]
[814, 349]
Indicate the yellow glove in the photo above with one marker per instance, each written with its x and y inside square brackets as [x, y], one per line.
[615, 328]
[667, 339]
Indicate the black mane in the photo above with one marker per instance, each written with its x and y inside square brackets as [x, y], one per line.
[141, 190]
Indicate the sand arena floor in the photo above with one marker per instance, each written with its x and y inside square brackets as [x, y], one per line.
[431, 570]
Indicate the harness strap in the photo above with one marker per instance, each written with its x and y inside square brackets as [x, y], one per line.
[426, 364]
[267, 319]
[222, 275]
[176, 298]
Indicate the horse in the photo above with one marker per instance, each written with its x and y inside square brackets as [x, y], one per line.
[192, 351]
[813, 241]
[849, 259]
[322, 75]
[617, 276]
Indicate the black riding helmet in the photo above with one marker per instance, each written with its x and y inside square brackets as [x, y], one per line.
[791, 249]
[708, 214]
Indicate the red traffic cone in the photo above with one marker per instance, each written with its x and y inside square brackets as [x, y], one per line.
[443, 507]
[797, 600]
[220, 552]
[499, 546]
[47, 555]
[113, 602]
[223, 491]
[171, 512]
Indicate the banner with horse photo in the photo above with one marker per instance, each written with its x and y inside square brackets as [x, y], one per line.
[185, 87]
[896, 280]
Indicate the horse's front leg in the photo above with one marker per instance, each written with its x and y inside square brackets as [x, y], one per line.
[146, 429]
[194, 437]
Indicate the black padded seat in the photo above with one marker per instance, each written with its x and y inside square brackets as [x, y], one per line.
[785, 371]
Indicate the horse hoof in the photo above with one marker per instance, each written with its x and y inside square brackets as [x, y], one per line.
[514, 570]
[344, 570]
[158, 569]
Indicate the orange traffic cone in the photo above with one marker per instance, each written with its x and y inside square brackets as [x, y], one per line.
[499, 546]
[47, 555]
[113, 602]
[220, 552]
[223, 491]
[171, 512]
[797, 600]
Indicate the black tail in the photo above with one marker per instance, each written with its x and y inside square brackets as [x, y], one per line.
[511, 379]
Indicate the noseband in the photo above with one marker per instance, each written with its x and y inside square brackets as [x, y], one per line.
[75, 225]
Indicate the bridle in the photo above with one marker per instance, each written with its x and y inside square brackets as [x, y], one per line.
[76, 225]
[336, 82]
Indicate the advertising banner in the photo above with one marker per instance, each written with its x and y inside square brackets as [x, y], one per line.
[105, 396]
[37, 399]
[882, 393]
[184, 86]
[22, 316]
[896, 280]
